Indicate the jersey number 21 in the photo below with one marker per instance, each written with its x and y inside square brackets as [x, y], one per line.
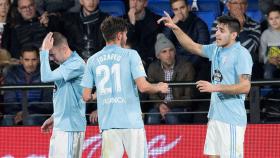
[111, 74]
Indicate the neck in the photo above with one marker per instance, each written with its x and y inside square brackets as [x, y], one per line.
[87, 13]
[141, 15]
[167, 66]
[3, 18]
[229, 44]
[114, 42]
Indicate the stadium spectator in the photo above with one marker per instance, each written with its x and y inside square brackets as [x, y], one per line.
[5, 61]
[143, 31]
[194, 27]
[29, 28]
[82, 29]
[4, 9]
[27, 73]
[169, 68]
[269, 51]
[249, 36]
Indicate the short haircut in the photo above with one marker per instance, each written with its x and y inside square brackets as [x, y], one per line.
[29, 48]
[173, 1]
[232, 23]
[111, 26]
[273, 8]
[58, 39]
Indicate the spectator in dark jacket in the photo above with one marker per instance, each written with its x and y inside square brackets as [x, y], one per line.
[194, 27]
[29, 29]
[27, 73]
[169, 68]
[83, 29]
[144, 29]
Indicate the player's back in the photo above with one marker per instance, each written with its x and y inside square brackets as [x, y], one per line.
[115, 70]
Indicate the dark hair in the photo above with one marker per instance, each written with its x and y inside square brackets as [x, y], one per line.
[29, 48]
[111, 26]
[58, 39]
[173, 1]
[273, 8]
[232, 23]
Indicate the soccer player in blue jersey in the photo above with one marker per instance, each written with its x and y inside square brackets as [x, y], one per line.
[117, 72]
[68, 120]
[231, 72]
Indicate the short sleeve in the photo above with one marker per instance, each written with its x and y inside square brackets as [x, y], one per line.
[88, 78]
[136, 66]
[244, 63]
[209, 50]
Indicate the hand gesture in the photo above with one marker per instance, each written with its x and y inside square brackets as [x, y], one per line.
[205, 86]
[167, 21]
[131, 16]
[163, 87]
[163, 110]
[47, 42]
[44, 19]
[93, 117]
[18, 118]
[47, 125]
[239, 15]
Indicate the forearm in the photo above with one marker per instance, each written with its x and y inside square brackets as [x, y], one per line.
[47, 75]
[187, 42]
[241, 88]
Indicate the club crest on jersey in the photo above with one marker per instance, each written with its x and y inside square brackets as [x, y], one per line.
[217, 76]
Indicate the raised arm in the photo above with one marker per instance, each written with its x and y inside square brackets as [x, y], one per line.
[183, 38]
[47, 75]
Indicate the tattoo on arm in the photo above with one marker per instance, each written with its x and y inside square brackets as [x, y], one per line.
[246, 77]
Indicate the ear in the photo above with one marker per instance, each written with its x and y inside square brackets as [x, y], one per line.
[228, 5]
[119, 36]
[20, 60]
[234, 35]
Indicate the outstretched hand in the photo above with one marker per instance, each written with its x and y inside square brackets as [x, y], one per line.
[47, 42]
[167, 20]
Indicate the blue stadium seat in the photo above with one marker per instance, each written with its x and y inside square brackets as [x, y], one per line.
[208, 17]
[209, 6]
[255, 15]
[113, 7]
[158, 6]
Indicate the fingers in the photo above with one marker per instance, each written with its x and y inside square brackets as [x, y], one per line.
[166, 18]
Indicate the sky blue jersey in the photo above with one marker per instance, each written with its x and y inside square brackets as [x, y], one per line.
[113, 71]
[227, 66]
[69, 107]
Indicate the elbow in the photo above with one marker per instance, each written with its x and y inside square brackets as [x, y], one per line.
[44, 79]
[86, 98]
[143, 88]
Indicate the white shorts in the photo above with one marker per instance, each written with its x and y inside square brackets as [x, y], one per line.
[66, 144]
[115, 141]
[224, 140]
